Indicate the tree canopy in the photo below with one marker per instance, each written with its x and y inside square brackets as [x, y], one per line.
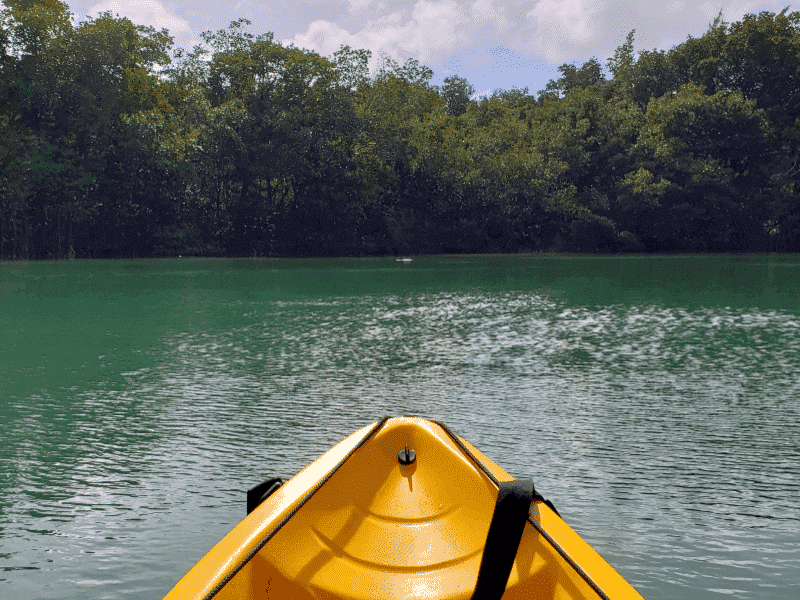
[113, 144]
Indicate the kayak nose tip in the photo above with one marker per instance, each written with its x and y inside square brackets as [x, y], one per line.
[406, 456]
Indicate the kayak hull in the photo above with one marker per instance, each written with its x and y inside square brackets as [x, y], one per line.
[358, 524]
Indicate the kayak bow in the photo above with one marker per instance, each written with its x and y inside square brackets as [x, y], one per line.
[401, 509]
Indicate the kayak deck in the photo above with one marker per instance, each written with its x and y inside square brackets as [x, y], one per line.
[357, 524]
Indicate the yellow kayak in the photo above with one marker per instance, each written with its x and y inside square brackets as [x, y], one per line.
[401, 509]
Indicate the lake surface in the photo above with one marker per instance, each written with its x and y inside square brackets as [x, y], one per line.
[654, 400]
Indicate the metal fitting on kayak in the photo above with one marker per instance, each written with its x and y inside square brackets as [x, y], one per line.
[406, 457]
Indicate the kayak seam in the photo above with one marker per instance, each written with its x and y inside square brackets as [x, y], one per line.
[343, 555]
[538, 528]
[415, 520]
[217, 588]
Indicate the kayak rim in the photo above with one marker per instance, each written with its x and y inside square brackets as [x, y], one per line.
[531, 520]
[291, 513]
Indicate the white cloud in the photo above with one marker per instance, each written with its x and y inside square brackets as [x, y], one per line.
[428, 30]
[481, 94]
[676, 6]
[358, 7]
[436, 31]
[145, 12]
[153, 13]
[556, 30]
[558, 26]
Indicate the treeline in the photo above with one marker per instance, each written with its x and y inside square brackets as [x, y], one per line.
[108, 148]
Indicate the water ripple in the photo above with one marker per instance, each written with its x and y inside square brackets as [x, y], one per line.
[677, 420]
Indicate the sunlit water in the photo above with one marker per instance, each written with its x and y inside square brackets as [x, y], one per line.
[654, 400]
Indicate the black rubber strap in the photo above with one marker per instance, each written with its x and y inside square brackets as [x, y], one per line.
[502, 541]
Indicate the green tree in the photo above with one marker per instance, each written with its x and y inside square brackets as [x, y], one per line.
[16, 141]
[112, 63]
[35, 33]
[316, 129]
[621, 66]
[654, 75]
[573, 78]
[352, 67]
[709, 156]
[389, 107]
[456, 92]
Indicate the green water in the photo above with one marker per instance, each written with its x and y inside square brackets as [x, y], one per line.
[653, 399]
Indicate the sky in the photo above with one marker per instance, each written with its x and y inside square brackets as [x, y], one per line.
[491, 43]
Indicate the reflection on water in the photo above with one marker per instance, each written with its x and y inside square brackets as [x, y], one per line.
[652, 399]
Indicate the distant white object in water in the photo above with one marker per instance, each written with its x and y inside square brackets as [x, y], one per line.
[404, 260]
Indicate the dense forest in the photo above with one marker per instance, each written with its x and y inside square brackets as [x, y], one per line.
[112, 144]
